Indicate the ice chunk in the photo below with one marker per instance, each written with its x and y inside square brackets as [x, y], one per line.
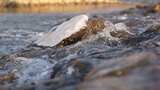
[63, 31]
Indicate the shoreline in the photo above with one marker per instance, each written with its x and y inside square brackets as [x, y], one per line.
[65, 8]
[54, 2]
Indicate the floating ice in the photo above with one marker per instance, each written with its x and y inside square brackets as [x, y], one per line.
[63, 31]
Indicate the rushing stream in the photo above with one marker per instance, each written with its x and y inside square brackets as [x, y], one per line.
[90, 64]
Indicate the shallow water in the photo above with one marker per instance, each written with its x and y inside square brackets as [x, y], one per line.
[58, 66]
[17, 30]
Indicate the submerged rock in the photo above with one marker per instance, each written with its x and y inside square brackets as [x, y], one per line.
[32, 71]
[8, 77]
[121, 32]
[155, 28]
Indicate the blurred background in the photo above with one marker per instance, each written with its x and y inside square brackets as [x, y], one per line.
[42, 6]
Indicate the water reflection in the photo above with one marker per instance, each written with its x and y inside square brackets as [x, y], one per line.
[64, 8]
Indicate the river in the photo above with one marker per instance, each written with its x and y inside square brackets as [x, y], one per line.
[87, 65]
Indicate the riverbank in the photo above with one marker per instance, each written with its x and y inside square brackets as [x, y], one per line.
[14, 3]
[66, 8]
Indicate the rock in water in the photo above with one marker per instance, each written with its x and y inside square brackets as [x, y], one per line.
[121, 31]
[82, 27]
[63, 31]
[93, 26]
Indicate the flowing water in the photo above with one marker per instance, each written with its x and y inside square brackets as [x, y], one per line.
[63, 68]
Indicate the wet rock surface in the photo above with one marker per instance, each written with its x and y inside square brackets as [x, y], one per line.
[93, 26]
[126, 58]
[137, 71]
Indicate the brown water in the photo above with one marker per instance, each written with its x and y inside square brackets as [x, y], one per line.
[65, 8]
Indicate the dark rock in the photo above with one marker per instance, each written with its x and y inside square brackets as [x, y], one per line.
[74, 69]
[121, 34]
[149, 34]
[137, 71]
[7, 78]
[66, 75]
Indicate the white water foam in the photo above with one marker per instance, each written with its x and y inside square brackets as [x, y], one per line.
[33, 71]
